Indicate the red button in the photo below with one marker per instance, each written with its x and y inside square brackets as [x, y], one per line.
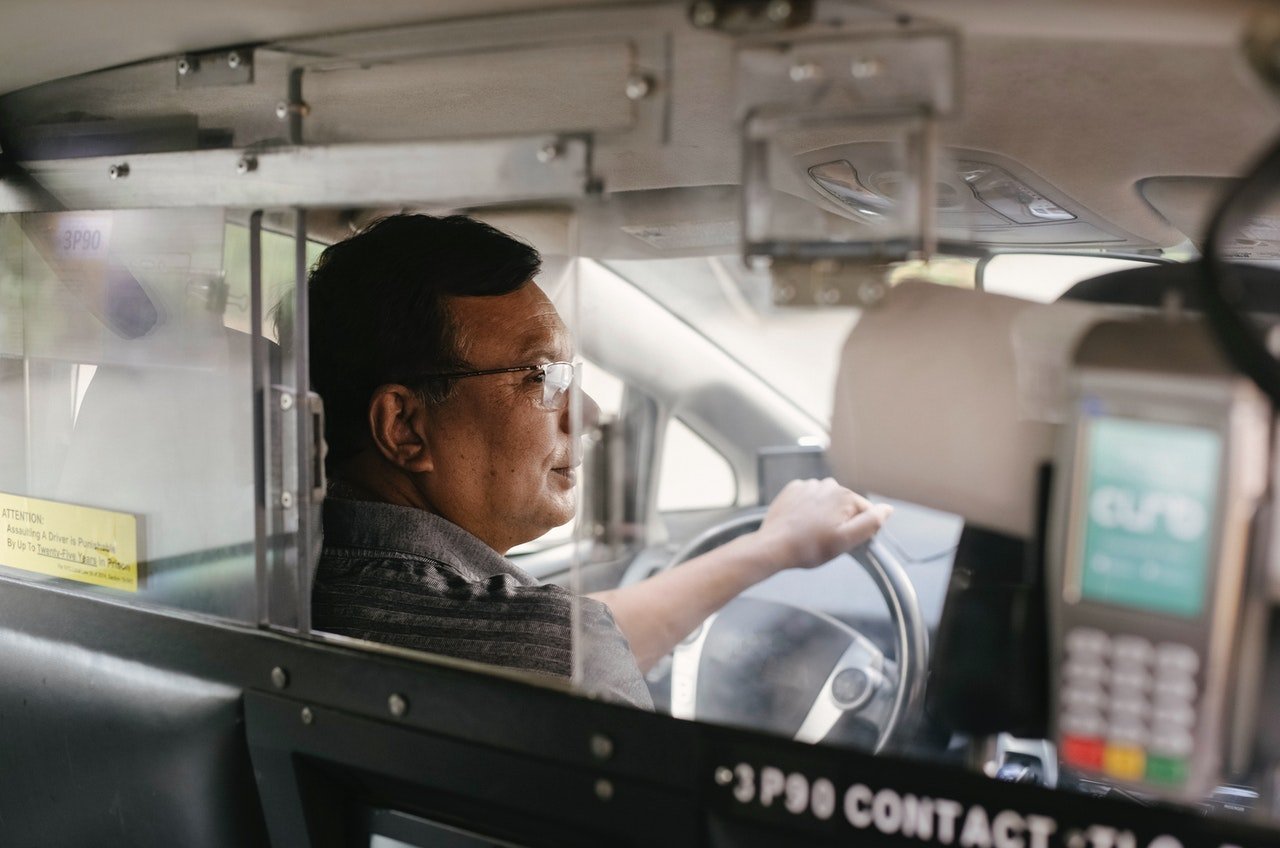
[1083, 752]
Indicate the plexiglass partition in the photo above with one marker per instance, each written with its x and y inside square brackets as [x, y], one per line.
[128, 420]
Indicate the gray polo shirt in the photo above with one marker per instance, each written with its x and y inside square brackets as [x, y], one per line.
[405, 577]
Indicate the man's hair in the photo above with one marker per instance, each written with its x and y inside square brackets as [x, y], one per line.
[379, 311]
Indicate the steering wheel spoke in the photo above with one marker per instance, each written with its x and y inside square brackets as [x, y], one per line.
[855, 684]
[756, 661]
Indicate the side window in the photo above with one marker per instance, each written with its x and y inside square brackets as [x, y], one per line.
[693, 475]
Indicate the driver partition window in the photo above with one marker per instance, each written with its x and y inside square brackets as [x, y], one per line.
[126, 418]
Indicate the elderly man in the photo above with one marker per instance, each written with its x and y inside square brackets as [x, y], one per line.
[446, 374]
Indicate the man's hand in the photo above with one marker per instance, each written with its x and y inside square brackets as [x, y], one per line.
[808, 523]
[813, 521]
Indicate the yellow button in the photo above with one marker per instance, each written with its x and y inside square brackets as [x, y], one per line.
[1124, 762]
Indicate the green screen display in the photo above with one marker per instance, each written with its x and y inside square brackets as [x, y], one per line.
[1150, 498]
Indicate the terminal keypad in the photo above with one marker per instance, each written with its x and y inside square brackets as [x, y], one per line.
[1128, 706]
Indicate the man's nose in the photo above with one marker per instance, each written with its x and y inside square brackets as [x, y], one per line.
[590, 413]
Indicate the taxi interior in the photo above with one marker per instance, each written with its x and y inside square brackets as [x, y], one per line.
[722, 191]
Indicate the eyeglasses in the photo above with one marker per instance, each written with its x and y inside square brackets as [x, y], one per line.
[558, 378]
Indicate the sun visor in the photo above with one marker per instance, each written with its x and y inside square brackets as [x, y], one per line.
[947, 398]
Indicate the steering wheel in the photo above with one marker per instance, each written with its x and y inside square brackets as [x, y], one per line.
[823, 668]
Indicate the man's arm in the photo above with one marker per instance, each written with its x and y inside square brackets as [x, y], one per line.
[809, 523]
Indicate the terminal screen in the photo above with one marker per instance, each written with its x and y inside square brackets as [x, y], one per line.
[1149, 498]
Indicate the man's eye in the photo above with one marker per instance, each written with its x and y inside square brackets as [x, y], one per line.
[537, 376]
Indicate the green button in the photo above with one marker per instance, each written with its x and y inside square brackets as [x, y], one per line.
[1167, 770]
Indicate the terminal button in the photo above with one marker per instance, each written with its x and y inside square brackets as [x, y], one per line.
[1170, 771]
[1127, 733]
[1171, 742]
[1088, 641]
[1124, 762]
[1171, 656]
[1179, 689]
[1175, 715]
[1133, 651]
[1076, 672]
[1084, 698]
[1083, 724]
[1082, 752]
[1135, 682]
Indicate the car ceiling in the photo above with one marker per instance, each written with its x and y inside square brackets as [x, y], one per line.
[1092, 97]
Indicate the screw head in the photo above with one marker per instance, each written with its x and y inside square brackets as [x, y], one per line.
[866, 68]
[234, 59]
[286, 499]
[247, 164]
[308, 717]
[639, 86]
[872, 292]
[778, 11]
[604, 789]
[279, 677]
[286, 402]
[118, 172]
[184, 67]
[601, 746]
[804, 71]
[398, 705]
[703, 13]
[549, 152]
[282, 110]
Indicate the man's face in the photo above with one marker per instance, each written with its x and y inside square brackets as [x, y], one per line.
[503, 467]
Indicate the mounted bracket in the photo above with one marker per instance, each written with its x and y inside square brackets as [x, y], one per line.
[218, 67]
[742, 17]
[890, 86]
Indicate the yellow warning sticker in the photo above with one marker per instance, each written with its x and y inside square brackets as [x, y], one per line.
[72, 542]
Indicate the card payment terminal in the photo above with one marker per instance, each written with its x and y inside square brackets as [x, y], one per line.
[1161, 467]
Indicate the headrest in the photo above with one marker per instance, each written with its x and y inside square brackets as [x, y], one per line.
[946, 398]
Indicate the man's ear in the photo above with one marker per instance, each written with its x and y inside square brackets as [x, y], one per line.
[397, 418]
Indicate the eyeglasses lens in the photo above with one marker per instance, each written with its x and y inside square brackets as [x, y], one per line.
[558, 379]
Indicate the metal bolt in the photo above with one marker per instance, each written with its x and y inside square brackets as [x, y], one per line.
[805, 71]
[866, 68]
[724, 776]
[549, 152]
[828, 296]
[872, 292]
[784, 294]
[279, 677]
[639, 86]
[286, 499]
[308, 717]
[601, 746]
[703, 13]
[184, 67]
[778, 11]
[398, 705]
[119, 172]
[604, 789]
[286, 402]
[284, 109]
[234, 59]
[246, 164]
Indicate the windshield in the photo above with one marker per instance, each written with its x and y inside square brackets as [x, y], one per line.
[795, 349]
[792, 349]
